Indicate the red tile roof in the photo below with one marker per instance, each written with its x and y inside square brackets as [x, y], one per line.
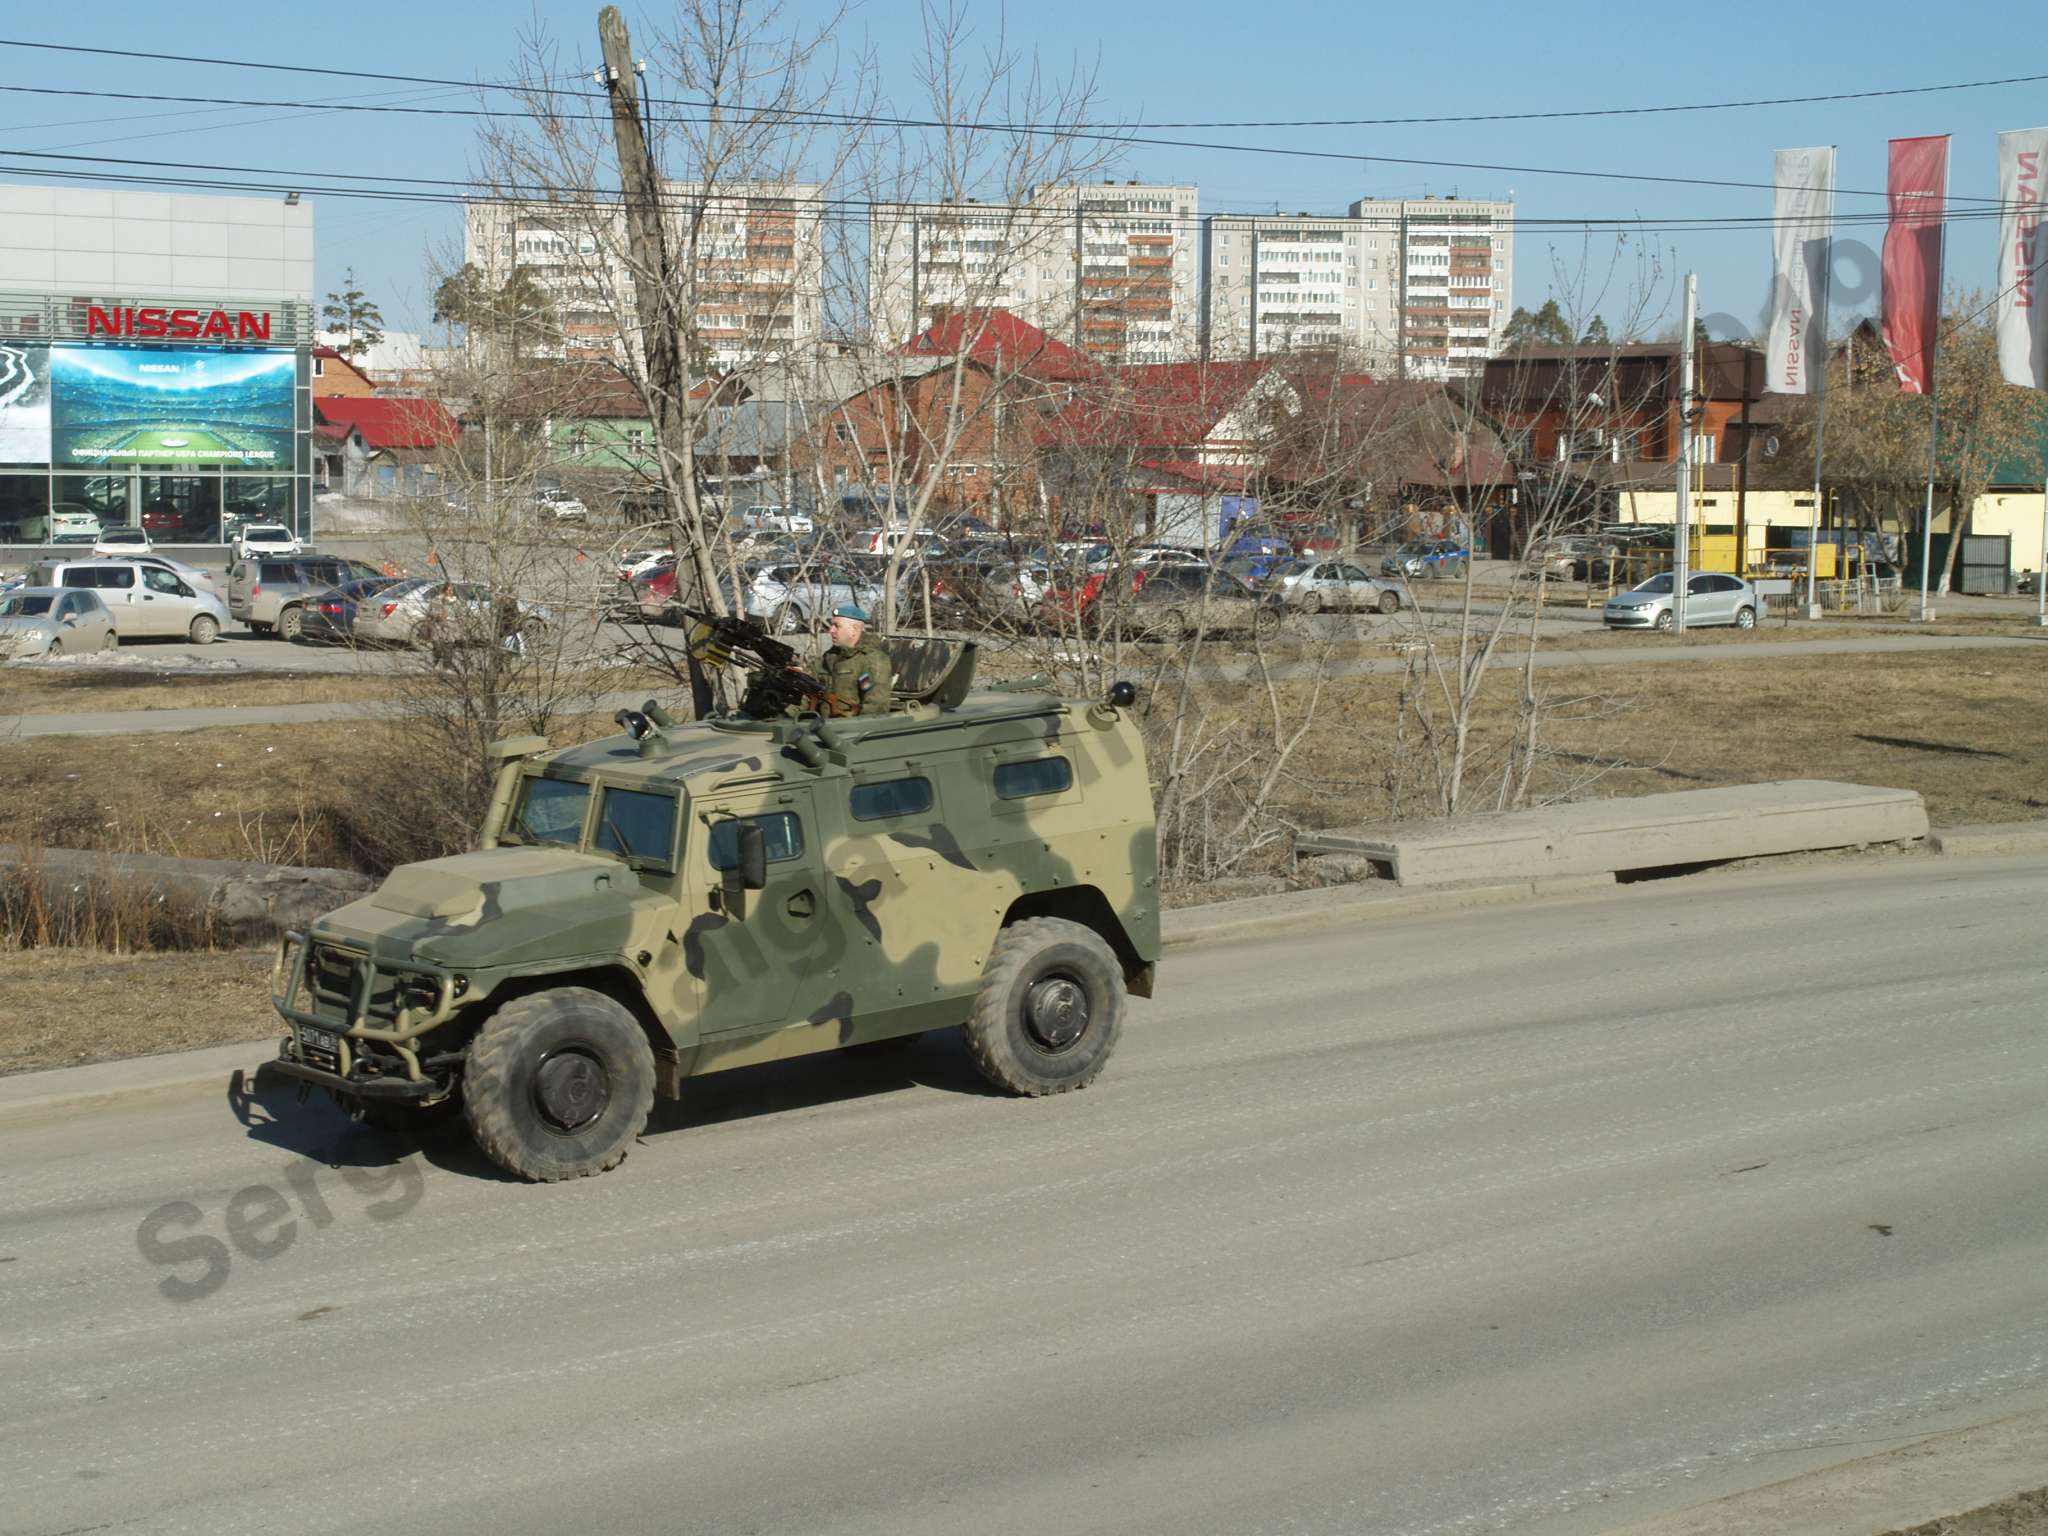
[391, 422]
[997, 339]
[1158, 405]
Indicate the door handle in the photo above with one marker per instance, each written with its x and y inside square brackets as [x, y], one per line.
[802, 904]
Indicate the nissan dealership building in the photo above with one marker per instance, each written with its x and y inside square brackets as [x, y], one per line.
[155, 363]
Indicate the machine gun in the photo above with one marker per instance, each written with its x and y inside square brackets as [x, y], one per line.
[776, 684]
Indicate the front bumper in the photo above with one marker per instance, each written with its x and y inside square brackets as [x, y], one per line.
[1630, 618]
[359, 1052]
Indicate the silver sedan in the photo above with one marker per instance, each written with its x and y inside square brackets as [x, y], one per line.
[54, 621]
[1710, 598]
[1324, 586]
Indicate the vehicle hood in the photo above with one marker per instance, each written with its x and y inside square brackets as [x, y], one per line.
[1638, 599]
[496, 907]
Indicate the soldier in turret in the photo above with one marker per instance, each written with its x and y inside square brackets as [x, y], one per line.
[858, 676]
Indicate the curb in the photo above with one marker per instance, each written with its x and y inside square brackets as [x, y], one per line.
[212, 1064]
[1929, 1482]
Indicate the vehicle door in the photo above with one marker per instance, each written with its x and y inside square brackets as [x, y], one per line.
[84, 620]
[118, 590]
[1705, 602]
[167, 603]
[745, 952]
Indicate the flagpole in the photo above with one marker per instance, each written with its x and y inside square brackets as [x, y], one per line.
[1926, 614]
[1820, 419]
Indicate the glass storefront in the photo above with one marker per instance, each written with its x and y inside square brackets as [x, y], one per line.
[189, 444]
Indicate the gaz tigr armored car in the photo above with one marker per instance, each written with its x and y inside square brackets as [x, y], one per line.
[687, 897]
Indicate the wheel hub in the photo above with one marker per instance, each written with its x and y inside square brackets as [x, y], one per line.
[571, 1089]
[1056, 1012]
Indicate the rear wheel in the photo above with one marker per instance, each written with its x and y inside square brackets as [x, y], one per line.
[205, 630]
[1050, 1008]
[558, 1084]
[291, 624]
[1390, 601]
[1745, 618]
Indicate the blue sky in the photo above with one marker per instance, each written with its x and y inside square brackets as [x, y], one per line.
[1197, 60]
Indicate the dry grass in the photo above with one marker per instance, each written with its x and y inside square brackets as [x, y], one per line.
[34, 690]
[1968, 730]
[65, 1007]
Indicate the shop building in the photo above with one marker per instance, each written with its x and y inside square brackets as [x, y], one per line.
[155, 364]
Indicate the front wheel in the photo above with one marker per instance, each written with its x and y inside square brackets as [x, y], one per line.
[558, 1084]
[1390, 601]
[1050, 1008]
[291, 624]
[1664, 622]
[110, 641]
[205, 630]
[1745, 618]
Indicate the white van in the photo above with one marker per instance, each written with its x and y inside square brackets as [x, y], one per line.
[146, 600]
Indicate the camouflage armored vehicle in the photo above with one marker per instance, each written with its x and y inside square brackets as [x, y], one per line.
[684, 898]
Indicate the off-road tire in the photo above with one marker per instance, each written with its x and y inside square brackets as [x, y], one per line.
[290, 624]
[1745, 618]
[1001, 1036]
[205, 630]
[1389, 601]
[502, 1084]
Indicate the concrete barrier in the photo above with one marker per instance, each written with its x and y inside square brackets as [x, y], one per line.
[1592, 837]
[242, 903]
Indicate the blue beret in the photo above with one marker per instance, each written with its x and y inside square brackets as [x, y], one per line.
[851, 611]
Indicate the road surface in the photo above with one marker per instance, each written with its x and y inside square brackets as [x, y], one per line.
[1536, 1219]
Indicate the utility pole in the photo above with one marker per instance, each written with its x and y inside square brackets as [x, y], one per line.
[1680, 550]
[668, 379]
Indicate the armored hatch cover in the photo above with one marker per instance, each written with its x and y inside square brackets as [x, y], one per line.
[931, 670]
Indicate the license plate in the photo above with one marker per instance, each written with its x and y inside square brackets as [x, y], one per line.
[321, 1044]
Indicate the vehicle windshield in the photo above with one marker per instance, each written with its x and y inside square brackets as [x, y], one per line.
[1660, 583]
[547, 811]
[267, 533]
[26, 605]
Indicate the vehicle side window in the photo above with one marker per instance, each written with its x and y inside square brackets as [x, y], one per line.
[637, 823]
[1351, 573]
[120, 578]
[160, 580]
[67, 605]
[891, 797]
[1699, 586]
[277, 571]
[782, 831]
[1033, 776]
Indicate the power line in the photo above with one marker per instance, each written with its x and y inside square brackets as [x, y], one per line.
[1118, 137]
[1554, 114]
[449, 192]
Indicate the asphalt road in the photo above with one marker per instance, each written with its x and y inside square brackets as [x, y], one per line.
[1444, 1225]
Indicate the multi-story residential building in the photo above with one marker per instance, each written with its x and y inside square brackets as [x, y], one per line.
[1112, 267]
[1421, 287]
[753, 271]
[1455, 262]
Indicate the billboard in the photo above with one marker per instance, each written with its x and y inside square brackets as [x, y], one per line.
[24, 404]
[165, 405]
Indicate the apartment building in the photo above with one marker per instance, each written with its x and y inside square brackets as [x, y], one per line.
[1418, 287]
[1454, 259]
[753, 254]
[1113, 268]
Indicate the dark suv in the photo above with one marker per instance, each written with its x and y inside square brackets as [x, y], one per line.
[272, 594]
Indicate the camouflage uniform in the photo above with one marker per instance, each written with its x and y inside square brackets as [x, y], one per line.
[861, 681]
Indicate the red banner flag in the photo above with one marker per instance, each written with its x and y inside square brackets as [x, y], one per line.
[1917, 192]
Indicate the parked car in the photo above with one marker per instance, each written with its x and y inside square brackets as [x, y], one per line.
[271, 594]
[444, 614]
[1569, 557]
[1711, 598]
[1322, 585]
[49, 621]
[145, 600]
[779, 520]
[1427, 558]
[796, 599]
[73, 525]
[330, 618]
[1256, 544]
[273, 539]
[126, 540]
[557, 503]
[633, 561]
